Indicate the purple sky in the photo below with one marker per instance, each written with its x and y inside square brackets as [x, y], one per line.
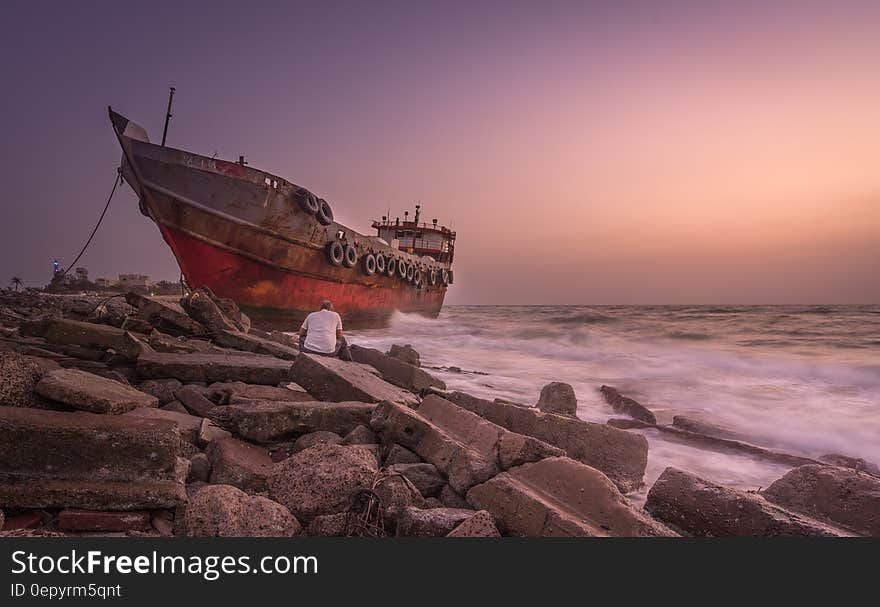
[619, 152]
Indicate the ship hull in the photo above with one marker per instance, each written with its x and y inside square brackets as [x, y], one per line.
[241, 232]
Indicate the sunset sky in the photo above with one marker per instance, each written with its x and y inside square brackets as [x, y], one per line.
[586, 153]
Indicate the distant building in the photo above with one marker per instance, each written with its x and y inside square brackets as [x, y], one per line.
[106, 283]
[134, 281]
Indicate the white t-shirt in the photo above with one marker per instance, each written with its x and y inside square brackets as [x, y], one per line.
[321, 327]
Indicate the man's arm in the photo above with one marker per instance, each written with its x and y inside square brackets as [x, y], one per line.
[338, 327]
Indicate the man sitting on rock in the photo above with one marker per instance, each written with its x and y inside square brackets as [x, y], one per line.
[321, 333]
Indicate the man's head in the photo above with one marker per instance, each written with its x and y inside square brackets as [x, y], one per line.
[326, 304]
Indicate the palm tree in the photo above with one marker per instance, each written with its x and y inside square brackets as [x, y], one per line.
[15, 282]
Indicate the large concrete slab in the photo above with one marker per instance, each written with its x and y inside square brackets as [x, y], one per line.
[239, 340]
[395, 371]
[187, 425]
[91, 392]
[91, 495]
[620, 455]
[166, 316]
[54, 444]
[266, 421]
[214, 367]
[560, 497]
[701, 508]
[78, 333]
[840, 496]
[465, 447]
[331, 379]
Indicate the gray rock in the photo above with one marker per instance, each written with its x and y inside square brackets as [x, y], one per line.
[214, 367]
[266, 421]
[405, 353]
[327, 525]
[20, 375]
[395, 371]
[451, 499]
[194, 401]
[398, 454]
[199, 469]
[252, 343]
[627, 406]
[188, 425]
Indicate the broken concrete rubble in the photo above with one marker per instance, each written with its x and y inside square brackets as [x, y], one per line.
[235, 392]
[431, 522]
[92, 393]
[426, 478]
[405, 353]
[331, 379]
[251, 343]
[52, 459]
[700, 508]
[163, 389]
[78, 333]
[620, 455]
[481, 524]
[194, 401]
[560, 497]
[187, 425]
[265, 421]
[214, 367]
[462, 445]
[166, 316]
[20, 374]
[395, 371]
[90, 520]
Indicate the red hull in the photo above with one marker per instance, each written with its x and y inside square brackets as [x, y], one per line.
[279, 299]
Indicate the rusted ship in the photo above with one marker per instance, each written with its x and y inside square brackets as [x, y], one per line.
[273, 247]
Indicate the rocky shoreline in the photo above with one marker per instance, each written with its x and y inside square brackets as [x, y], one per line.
[151, 417]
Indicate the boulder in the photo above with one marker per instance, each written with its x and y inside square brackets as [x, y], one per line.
[620, 455]
[321, 437]
[627, 406]
[225, 511]
[90, 520]
[331, 379]
[163, 389]
[194, 401]
[91, 392]
[77, 333]
[697, 507]
[481, 524]
[266, 421]
[431, 522]
[841, 496]
[560, 497]
[175, 406]
[320, 480]
[558, 397]
[361, 435]
[395, 371]
[187, 425]
[239, 392]
[240, 464]
[426, 478]
[396, 494]
[327, 525]
[214, 367]
[20, 375]
[166, 316]
[251, 343]
[405, 353]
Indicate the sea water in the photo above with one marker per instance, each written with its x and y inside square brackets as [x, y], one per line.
[804, 379]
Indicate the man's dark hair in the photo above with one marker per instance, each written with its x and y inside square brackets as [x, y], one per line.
[326, 304]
